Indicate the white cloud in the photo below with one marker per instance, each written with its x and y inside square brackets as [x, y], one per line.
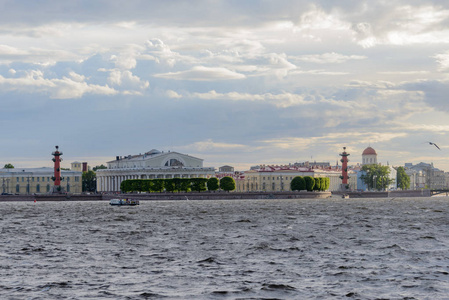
[443, 60]
[329, 58]
[201, 73]
[64, 88]
[210, 146]
[126, 80]
[8, 50]
[173, 94]
[279, 100]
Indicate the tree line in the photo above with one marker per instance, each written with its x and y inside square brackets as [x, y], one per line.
[309, 183]
[178, 185]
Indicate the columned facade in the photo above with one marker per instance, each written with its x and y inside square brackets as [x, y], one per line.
[25, 181]
[151, 165]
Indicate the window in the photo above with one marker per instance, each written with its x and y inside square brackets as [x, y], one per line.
[32, 179]
[17, 189]
[37, 179]
[17, 179]
[38, 188]
[68, 179]
[23, 179]
[48, 188]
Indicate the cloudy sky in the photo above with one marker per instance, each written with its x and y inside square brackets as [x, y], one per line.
[232, 82]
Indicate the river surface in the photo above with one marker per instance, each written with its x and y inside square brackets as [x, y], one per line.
[230, 249]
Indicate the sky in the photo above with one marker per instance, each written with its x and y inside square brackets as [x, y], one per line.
[237, 83]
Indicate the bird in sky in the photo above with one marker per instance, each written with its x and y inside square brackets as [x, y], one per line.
[434, 145]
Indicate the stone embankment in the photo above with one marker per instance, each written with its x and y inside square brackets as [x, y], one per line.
[387, 194]
[171, 196]
[216, 196]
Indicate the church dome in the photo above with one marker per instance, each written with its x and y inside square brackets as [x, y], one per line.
[369, 151]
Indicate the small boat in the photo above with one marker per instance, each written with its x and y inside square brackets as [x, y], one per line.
[120, 202]
[345, 196]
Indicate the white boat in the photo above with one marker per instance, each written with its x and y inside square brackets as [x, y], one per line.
[120, 202]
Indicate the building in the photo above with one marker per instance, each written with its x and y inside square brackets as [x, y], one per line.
[38, 181]
[369, 156]
[150, 165]
[424, 175]
[278, 178]
[79, 167]
[226, 169]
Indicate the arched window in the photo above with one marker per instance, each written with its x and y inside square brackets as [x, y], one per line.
[48, 188]
[174, 163]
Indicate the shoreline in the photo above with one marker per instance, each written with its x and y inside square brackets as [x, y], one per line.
[214, 196]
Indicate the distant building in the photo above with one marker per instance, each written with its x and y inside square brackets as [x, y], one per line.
[79, 167]
[425, 175]
[226, 169]
[313, 164]
[38, 181]
[369, 156]
[278, 178]
[150, 165]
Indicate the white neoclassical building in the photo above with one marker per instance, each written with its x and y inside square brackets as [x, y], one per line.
[369, 156]
[150, 165]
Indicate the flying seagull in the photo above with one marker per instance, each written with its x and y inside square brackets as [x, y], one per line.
[435, 145]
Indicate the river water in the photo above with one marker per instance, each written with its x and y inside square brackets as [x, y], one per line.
[243, 249]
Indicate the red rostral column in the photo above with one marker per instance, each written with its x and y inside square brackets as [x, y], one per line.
[57, 160]
[344, 168]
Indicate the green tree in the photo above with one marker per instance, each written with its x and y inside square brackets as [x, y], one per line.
[310, 183]
[376, 176]
[328, 183]
[317, 186]
[323, 183]
[199, 184]
[186, 184]
[213, 184]
[99, 167]
[89, 181]
[298, 184]
[8, 166]
[157, 185]
[227, 184]
[125, 186]
[146, 185]
[171, 184]
[403, 179]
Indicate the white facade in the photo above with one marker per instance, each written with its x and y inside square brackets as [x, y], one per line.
[369, 156]
[150, 165]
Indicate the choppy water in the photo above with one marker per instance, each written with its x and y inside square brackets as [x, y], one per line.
[274, 249]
